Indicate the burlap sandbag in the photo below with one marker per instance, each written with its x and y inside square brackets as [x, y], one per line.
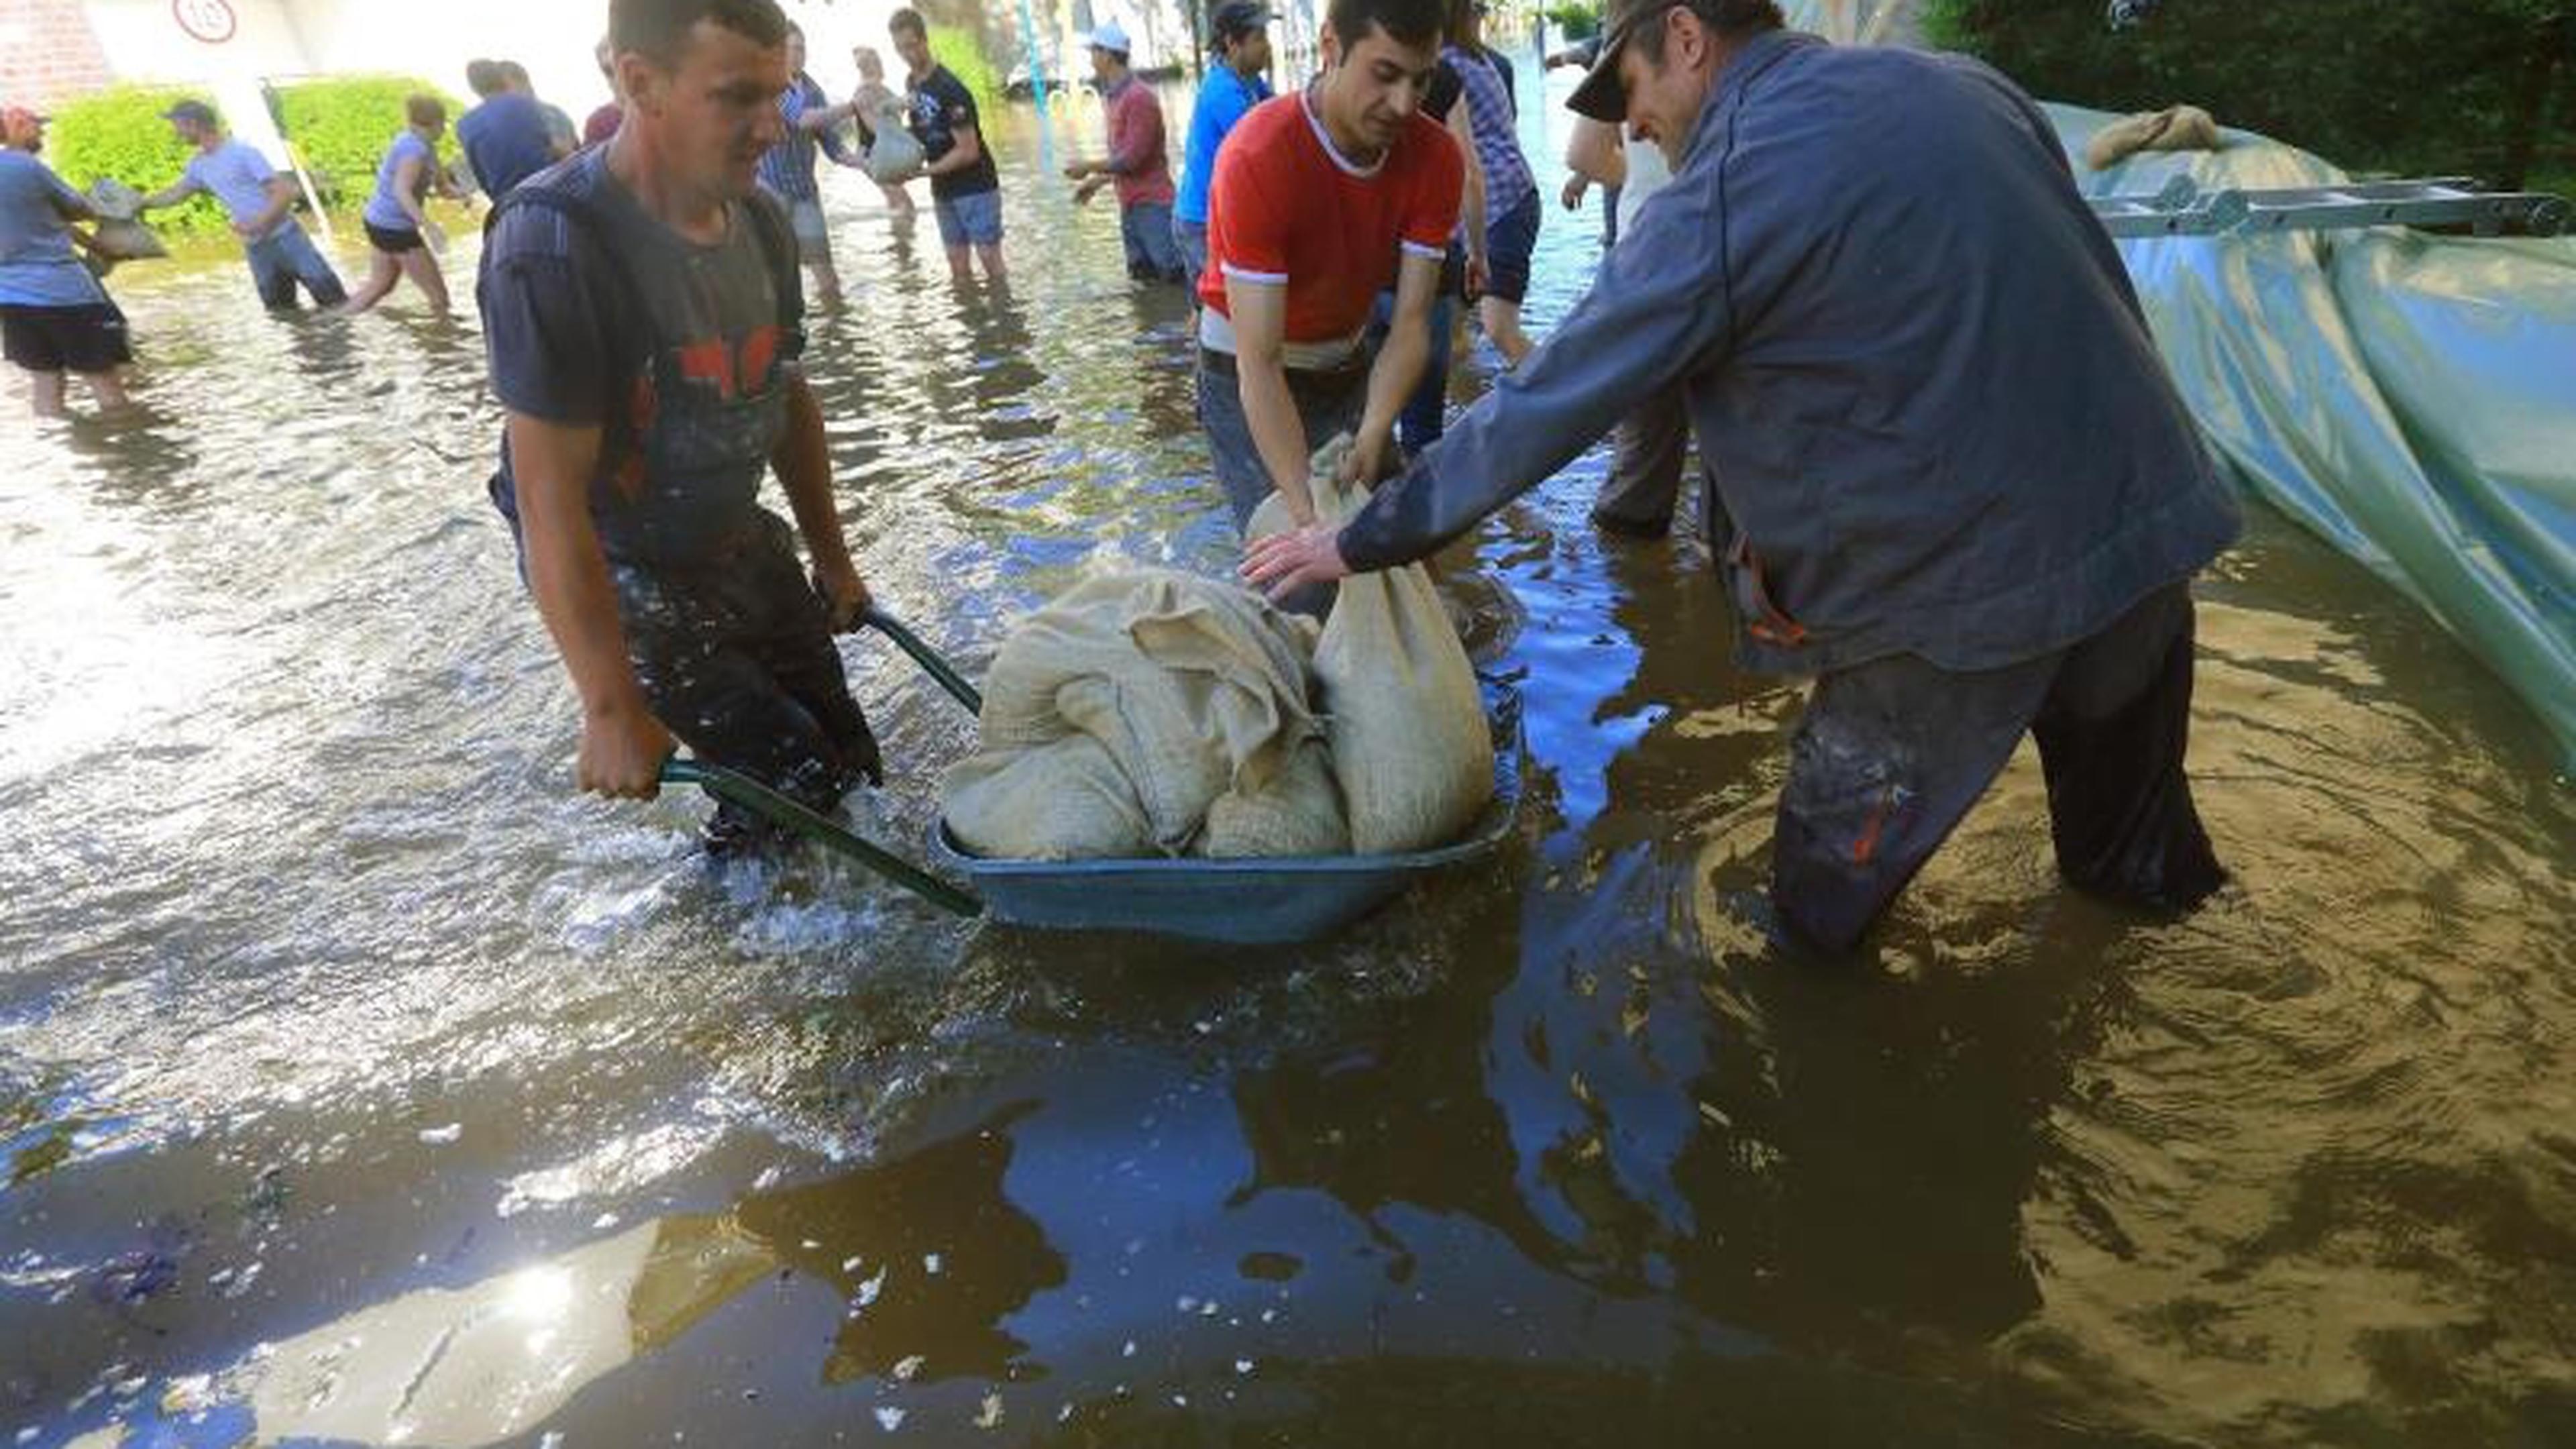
[1298, 811]
[1190, 688]
[895, 152]
[1064, 800]
[2175, 128]
[1410, 744]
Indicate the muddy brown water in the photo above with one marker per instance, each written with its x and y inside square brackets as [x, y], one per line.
[360, 1083]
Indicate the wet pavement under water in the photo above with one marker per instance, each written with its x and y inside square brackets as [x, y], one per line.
[359, 1082]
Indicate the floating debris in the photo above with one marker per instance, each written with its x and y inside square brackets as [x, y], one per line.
[441, 1136]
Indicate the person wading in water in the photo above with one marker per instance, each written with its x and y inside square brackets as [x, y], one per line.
[644, 324]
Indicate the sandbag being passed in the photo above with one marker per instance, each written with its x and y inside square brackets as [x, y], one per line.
[896, 152]
[1411, 747]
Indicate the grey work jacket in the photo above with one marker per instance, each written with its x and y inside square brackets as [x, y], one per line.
[1912, 357]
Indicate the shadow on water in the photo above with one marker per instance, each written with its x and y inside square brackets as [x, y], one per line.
[359, 1081]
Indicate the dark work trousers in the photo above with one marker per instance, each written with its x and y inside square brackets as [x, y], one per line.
[1890, 754]
[1647, 452]
[736, 658]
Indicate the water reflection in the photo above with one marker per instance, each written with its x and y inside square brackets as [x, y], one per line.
[484, 1363]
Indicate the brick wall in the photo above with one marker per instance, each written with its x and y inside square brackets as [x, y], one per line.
[48, 53]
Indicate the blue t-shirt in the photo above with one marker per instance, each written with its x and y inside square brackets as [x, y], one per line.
[787, 168]
[237, 176]
[1225, 97]
[505, 141]
[384, 209]
[686, 435]
[37, 268]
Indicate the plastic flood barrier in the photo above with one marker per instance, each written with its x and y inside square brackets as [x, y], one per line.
[2410, 397]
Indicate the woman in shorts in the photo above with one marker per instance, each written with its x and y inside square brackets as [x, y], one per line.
[405, 240]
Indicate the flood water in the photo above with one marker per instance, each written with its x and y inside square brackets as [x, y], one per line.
[360, 1083]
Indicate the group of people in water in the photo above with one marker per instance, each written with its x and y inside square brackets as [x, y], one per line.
[1953, 572]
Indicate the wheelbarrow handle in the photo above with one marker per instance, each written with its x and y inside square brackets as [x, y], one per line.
[759, 799]
[923, 655]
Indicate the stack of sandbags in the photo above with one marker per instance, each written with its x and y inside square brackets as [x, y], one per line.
[1411, 747]
[2175, 128]
[1149, 713]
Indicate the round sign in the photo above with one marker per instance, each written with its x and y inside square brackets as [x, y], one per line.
[211, 21]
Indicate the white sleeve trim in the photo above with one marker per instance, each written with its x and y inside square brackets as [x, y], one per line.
[1415, 248]
[1245, 274]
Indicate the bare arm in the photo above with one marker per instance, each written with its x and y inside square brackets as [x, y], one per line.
[622, 744]
[803, 462]
[171, 195]
[968, 150]
[1259, 311]
[1471, 210]
[1594, 152]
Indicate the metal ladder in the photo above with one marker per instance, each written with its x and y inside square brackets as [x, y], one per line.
[2183, 209]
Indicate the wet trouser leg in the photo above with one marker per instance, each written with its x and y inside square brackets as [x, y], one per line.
[1891, 754]
[1645, 466]
[736, 659]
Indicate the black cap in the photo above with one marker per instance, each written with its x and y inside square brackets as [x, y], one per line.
[1237, 17]
[197, 111]
[1602, 95]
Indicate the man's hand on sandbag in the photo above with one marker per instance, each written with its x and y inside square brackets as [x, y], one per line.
[1282, 563]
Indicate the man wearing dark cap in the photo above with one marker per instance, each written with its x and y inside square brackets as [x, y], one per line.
[1957, 485]
[1240, 33]
[260, 200]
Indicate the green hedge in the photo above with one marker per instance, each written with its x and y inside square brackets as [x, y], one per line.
[340, 127]
[119, 133]
[1574, 19]
[956, 47]
[2478, 87]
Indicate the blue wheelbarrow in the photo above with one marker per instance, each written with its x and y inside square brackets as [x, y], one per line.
[1250, 902]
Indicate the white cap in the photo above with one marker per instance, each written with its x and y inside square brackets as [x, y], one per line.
[1109, 36]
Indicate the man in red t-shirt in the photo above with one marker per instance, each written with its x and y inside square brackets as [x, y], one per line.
[1137, 161]
[1322, 201]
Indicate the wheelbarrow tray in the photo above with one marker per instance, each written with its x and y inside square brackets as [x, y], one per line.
[1252, 902]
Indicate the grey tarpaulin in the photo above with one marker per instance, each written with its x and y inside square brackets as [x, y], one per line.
[2410, 397]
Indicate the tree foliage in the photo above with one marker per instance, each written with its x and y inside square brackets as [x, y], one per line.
[2477, 87]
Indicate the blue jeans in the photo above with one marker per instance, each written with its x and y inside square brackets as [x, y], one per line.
[1191, 238]
[285, 258]
[1152, 254]
[1426, 412]
[975, 217]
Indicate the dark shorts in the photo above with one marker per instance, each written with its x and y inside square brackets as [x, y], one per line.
[1891, 754]
[392, 241]
[86, 339]
[1509, 243]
